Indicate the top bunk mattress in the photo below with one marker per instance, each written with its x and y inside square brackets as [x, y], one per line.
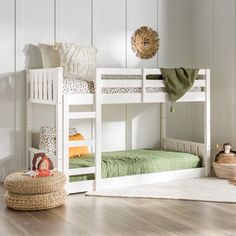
[78, 86]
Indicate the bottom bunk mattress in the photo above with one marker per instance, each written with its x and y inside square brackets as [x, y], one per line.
[134, 162]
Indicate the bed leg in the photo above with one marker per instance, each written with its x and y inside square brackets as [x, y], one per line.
[28, 128]
[98, 107]
[163, 124]
[207, 125]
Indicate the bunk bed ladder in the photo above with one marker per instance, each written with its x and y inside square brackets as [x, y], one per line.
[95, 115]
[67, 143]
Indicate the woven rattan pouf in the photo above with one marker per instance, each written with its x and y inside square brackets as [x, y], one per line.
[27, 193]
[34, 202]
[19, 183]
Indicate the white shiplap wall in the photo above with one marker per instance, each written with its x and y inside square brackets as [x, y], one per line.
[201, 34]
[214, 40]
[223, 83]
[175, 27]
[7, 90]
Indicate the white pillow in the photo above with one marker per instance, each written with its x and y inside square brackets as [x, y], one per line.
[47, 139]
[50, 56]
[78, 61]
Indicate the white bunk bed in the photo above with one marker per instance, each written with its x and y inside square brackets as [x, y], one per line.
[45, 86]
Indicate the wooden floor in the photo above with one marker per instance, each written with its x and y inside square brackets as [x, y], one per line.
[121, 216]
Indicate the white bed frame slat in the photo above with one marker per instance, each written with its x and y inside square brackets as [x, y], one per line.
[45, 81]
[50, 87]
[66, 140]
[82, 99]
[207, 124]
[81, 171]
[81, 143]
[164, 176]
[40, 83]
[161, 84]
[36, 91]
[98, 124]
[119, 71]
[30, 88]
[81, 186]
[58, 100]
[121, 83]
[125, 181]
[82, 115]
[151, 71]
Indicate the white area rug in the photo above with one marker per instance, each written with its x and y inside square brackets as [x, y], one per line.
[199, 189]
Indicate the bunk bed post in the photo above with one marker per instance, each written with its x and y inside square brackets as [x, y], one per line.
[144, 84]
[58, 117]
[163, 124]
[66, 124]
[98, 121]
[207, 127]
[28, 127]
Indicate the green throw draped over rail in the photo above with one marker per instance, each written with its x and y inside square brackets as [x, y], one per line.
[178, 81]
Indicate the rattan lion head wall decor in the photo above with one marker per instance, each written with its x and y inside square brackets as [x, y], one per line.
[145, 42]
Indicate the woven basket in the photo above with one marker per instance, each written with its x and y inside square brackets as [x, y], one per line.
[22, 184]
[35, 202]
[225, 171]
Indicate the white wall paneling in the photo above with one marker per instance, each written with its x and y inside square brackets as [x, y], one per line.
[83, 126]
[213, 45]
[174, 24]
[143, 126]
[73, 21]
[223, 82]
[7, 36]
[111, 19]
[202, 54]
[140, 133]
[109, 32]
[37, 21]
[106, 24]
[175, 28]
[140, 13]
[35, 24]
[7, 89]
[202, 33]
[113, 127]
[8, 160]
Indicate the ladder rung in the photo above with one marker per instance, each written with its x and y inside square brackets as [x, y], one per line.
[79, 143]
[82, 115]
[82, 171]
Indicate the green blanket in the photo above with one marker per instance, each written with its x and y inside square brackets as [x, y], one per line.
[132, 162]
[178, 81]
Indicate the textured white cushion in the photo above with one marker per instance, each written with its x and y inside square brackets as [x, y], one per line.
[50, 56]
[47, 139]
[78, 61]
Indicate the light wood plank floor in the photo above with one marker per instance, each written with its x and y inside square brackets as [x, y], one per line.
[121, 216]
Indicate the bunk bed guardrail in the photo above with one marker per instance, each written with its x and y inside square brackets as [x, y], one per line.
[45, 86]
